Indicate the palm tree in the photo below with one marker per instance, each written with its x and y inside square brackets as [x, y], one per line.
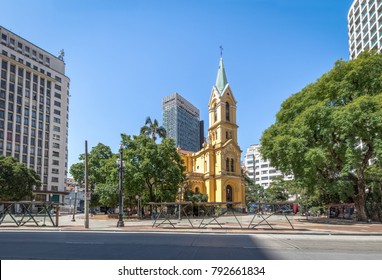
[153, 129]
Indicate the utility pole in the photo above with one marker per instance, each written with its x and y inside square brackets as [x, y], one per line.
[87, 193]
[75, 205]
[120, 168]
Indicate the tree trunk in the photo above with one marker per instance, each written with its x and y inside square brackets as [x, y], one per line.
[360, 201]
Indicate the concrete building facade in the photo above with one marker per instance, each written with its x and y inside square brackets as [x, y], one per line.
[34, 111]
[259, 169]
[181, 120]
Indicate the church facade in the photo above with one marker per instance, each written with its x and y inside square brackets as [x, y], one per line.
[215, 170]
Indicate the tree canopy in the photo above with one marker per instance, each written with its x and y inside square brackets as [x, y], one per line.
[102, 174]
[16, 180]
[98, 161]
[328, 133]
[152, 170]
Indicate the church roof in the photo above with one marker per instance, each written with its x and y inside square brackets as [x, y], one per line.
[221, 79]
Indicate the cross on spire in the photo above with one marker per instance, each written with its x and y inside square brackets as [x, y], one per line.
[221, 51]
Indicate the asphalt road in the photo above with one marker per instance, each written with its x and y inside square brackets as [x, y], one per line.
[175, 246]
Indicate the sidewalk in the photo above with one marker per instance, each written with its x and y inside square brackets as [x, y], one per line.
[230, 225]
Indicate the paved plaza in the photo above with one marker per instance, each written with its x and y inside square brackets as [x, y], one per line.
[279, 224]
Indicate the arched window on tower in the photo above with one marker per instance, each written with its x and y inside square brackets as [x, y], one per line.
[215, 113]
[227, 164]
[232, 165]
[227, 111]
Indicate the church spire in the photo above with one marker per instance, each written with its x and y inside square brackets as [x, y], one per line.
[221, 79]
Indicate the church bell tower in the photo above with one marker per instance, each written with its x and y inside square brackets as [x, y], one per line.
[222, 136]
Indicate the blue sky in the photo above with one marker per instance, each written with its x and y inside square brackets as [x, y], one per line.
[123, 57]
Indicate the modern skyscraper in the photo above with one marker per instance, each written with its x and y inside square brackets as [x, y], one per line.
[364, 26]
[259, 169]
[34, 111]
[181, 121]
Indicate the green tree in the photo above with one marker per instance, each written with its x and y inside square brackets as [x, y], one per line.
[253, 192]
[190, 195]
[277, 191]
[374, 192]
[152, 170]
[327, 133]
[108, 194]
[16, 180]
[98, 158]
[101, 165]
[152, 129]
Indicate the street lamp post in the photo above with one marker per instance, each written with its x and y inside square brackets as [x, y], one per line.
[180, 198]
[139, 207]
[120, 167]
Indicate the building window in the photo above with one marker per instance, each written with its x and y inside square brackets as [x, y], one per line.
[232, 165]
[215, 114]
[227, 111]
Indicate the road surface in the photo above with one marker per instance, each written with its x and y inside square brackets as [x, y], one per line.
[195, 246]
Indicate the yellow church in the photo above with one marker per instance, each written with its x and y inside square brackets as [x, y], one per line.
[215, 170]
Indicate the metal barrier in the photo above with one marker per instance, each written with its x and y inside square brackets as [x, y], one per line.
[215, 210]
[35, 212]
[209, 214]
[167, 212]
[171, 213]
[267, 210]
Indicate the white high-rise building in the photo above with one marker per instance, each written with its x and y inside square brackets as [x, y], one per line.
[34, 111]
[259, 169]
[364, 26]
